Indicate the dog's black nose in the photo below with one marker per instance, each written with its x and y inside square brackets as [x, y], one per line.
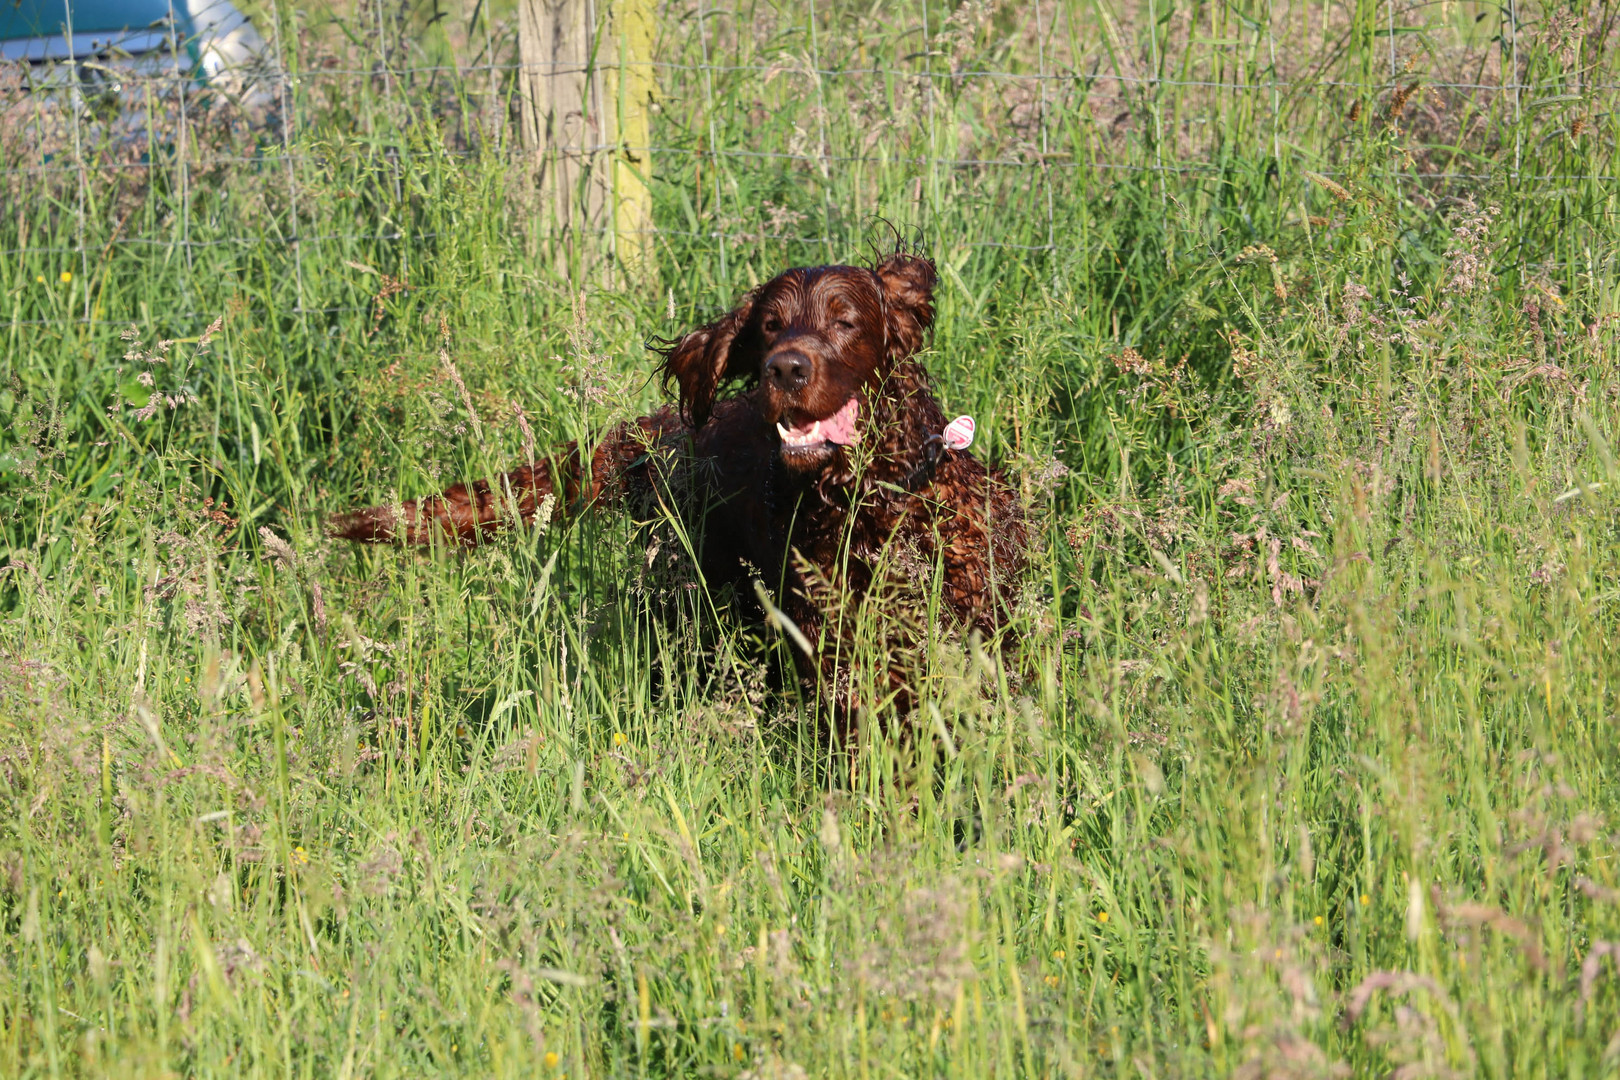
[789, 371]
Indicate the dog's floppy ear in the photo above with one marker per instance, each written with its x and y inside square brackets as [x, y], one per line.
[908, 300]
[698, 362]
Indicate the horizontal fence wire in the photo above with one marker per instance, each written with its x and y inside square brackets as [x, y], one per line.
[197, 319]
[564, 68]
[920, 161]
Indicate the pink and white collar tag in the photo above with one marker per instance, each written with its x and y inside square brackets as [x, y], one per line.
[958, 434]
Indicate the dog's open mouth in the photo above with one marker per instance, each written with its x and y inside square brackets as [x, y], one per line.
[816, 438]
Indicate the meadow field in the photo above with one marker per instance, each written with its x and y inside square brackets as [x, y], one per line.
[1297, 325]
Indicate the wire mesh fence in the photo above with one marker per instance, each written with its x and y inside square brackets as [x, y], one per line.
[982, 126]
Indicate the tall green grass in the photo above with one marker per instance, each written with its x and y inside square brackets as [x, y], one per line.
[1303, 763]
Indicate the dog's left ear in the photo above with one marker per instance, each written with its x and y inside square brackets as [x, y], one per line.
[698, 362]
[908, 300]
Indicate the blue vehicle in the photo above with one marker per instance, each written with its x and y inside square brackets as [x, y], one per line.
[104, 43]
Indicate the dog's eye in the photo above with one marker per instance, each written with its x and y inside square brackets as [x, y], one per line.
[772, 324]
[843, 324]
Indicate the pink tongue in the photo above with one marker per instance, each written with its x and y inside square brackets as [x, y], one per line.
[840, 426]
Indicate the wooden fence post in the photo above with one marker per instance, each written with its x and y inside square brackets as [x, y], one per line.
[587, 87]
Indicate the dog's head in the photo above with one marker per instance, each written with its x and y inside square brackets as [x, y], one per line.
[815, 339]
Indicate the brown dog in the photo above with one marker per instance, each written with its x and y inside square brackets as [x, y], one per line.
[832, 475]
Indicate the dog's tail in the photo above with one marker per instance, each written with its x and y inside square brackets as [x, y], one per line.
[468, 513]
[463, 514]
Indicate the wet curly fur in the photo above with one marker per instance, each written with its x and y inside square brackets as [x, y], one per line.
[824, 473]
